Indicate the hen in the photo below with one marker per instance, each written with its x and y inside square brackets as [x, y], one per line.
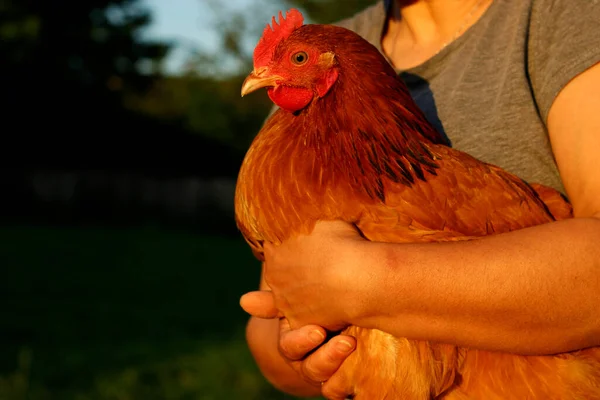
[348, 143]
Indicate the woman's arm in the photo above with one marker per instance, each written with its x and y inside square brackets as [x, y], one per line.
[532, 292]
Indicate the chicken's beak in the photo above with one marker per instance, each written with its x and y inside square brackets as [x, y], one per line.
[259, 78]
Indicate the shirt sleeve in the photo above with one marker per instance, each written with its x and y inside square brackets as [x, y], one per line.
[564, 41]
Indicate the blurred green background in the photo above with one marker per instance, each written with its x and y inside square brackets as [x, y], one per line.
[120, 263]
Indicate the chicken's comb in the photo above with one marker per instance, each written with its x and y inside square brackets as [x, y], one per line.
[272, 36]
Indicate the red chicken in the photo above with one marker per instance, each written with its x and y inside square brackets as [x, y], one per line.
[348, 143]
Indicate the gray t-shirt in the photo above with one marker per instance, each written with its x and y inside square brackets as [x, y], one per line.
[491, 89]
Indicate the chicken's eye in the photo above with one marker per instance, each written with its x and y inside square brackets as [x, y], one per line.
[300, 58]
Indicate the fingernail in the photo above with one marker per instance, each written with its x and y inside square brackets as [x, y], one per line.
[316, 336]
[344, 346]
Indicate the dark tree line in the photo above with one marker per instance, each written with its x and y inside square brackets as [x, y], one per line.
[83, 91]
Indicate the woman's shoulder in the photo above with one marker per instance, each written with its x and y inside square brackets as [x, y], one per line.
[563, 41]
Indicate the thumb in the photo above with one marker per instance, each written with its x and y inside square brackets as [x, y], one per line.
[260, 304]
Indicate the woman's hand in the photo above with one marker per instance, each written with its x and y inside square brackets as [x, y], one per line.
[302, 349]
[318, 279]
[319, 367]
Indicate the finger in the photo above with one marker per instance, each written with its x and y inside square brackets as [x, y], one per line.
[260, 304]
[337, 388]
[326, 360]
[294, 344]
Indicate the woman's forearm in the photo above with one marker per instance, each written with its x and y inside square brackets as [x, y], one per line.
[533, 291]
[263, 336]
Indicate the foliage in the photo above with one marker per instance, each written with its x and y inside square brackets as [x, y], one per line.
[85, 89]
[211, 107]
[89, 48]
[85, 72]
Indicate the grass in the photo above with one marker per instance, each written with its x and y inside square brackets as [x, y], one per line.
[125, 314]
